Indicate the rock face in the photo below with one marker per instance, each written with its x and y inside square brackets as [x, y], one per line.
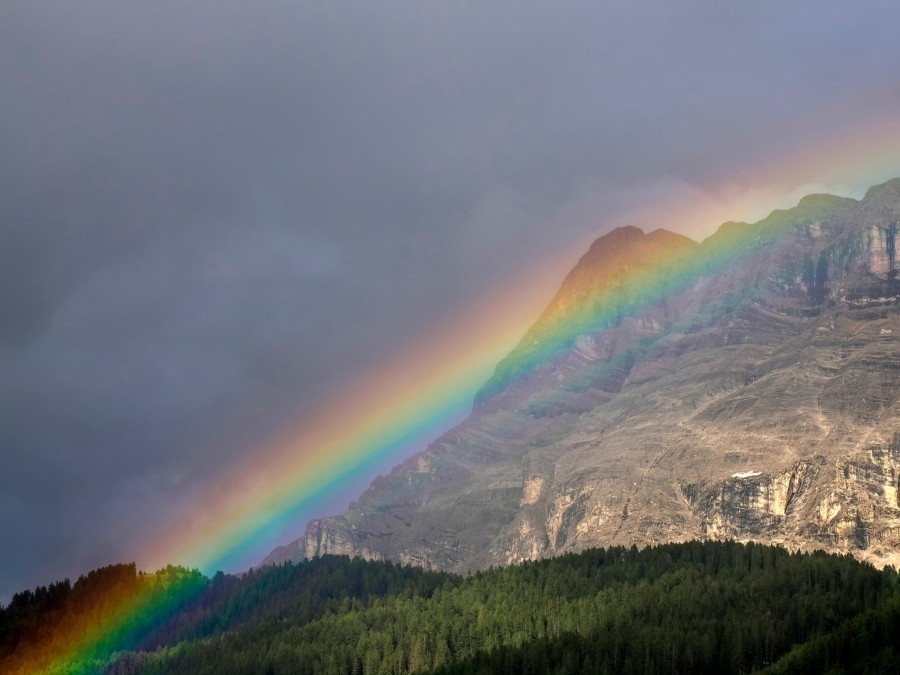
[747, 387]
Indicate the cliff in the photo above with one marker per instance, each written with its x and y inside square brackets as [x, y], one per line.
[746, 387]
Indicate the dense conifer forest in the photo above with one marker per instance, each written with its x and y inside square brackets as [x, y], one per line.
[675, 608]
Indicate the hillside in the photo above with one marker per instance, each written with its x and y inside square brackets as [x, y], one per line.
[694, 607]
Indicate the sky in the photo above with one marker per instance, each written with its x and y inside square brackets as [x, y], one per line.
[217, 216]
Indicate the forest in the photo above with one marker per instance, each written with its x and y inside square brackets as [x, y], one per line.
[673, 608]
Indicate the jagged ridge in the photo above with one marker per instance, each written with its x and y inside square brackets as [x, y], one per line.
[759, 400]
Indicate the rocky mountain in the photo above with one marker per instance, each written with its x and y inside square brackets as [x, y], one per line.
[747, 387]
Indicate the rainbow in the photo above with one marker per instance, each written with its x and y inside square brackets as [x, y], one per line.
[429, 385]
[384, 413]
[131, 606]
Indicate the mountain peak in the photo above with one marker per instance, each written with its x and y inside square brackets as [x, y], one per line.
[887, 191]
[824, 200]
[616, 237]
[630, 234]
[632, 240]
[624, 231]
[615, 273]
[730, 227]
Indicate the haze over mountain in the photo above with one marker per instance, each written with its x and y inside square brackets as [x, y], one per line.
[745, 387]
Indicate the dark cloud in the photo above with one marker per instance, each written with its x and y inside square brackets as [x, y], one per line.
[213, 213]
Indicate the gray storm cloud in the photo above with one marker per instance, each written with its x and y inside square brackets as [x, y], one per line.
[214, 213]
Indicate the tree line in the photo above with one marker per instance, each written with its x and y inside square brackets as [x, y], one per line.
[690, 607]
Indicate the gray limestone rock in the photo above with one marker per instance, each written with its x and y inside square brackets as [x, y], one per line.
[747, 387]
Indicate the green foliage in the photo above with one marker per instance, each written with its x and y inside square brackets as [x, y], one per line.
[67, 625]
[869, 643]
[698, 606]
